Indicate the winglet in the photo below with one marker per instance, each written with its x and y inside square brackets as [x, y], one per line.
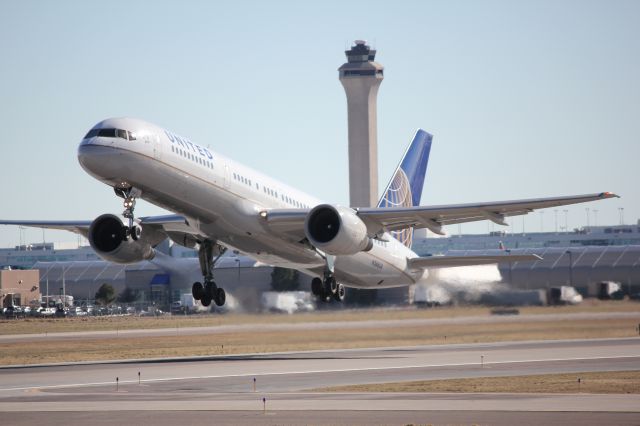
[608, 195]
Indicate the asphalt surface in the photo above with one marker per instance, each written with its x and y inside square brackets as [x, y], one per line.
[221, 389]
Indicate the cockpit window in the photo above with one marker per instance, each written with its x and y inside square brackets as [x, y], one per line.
[111, 133]
[107, 133]
[92, 133]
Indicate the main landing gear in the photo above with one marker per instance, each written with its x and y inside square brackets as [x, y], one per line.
[129, 195]
[208, 291]
[328, 288]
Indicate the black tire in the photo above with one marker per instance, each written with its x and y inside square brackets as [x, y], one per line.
[333, 285]
[340, 293]
[135, 232]
[197, 290]
[210, 289]
[206, 301]
[221, 297]
[316, 286]
[324, 296]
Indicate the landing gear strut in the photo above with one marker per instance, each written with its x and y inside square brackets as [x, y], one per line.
[129, 203]
[208, 291]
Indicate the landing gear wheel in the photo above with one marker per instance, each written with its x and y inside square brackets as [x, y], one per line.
[206, 300]
[197, 290]
[135, 232]
[330, 285]
[340, 293]
[316, 286]
[210, 289]
[333, 285]
[221, 297]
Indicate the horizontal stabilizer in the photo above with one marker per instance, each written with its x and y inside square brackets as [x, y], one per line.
[452, 261]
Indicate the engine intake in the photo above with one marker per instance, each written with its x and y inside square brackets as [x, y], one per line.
[108, 238]
[337, 230]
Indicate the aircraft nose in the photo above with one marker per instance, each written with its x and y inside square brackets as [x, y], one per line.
[97, 160]
[86, 157]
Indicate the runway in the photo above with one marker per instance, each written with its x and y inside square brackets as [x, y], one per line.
[183, 388]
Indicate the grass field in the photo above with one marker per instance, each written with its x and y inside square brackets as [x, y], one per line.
[252, 340]
[52, 325]
[609, 382]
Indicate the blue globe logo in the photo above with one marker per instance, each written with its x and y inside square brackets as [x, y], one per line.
[399, 195]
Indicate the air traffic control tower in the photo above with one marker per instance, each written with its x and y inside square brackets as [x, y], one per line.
[361, 78]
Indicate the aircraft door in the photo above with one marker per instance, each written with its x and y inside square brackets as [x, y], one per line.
[157, 146]
[227, 177]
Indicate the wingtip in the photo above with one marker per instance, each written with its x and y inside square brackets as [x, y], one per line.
[609, 195]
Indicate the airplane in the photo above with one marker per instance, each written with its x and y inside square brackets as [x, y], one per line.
[219, 204]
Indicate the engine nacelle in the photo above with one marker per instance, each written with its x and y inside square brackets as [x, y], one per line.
[337, 230]
[108, 238]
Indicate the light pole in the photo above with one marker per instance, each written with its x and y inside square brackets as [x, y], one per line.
[510, 268]
[570, 267]
[587, 210]
[566, 221]
[64, 290]
[541, 220]
[595, 217]
[621, 212]
[23, 245]
[555, 213]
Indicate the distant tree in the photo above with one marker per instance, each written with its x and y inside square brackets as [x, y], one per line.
[105, 295]
[128, 295]
[283, 279]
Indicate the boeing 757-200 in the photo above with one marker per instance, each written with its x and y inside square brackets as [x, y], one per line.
[219, 204]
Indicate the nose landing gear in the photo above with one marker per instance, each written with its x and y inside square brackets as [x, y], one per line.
[129, 194]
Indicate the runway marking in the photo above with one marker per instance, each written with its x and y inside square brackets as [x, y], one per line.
[282, 373]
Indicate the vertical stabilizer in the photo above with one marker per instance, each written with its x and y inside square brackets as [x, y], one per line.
[405, 187]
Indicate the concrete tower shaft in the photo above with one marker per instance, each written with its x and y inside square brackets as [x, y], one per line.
[361, 78]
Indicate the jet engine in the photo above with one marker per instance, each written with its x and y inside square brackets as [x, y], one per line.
[110, 240]
[337, 230]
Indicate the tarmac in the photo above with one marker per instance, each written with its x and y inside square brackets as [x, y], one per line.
[282, 388]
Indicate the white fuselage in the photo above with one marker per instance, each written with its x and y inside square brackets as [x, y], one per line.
[223, 200]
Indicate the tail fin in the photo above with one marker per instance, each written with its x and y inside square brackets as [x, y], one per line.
[405, 187]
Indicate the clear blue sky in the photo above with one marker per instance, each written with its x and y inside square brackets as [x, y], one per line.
[525, 99]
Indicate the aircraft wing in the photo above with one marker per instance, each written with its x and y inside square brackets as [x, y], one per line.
[379, 220]
[77, 226]
[432, 262]
[174, 226]
[434, 218]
